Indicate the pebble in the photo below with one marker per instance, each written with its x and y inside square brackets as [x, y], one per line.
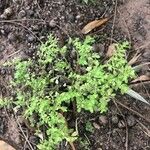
[3, 71]
[8, 12]
[121, 124]
[2, 47]
[21, 14]
[30, 13]
[96, 126]
[30, 38]
[131, 121]
[52, 23]
[103, 120]
[115, 119]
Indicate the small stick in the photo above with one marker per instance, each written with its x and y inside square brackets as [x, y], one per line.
[135, 112]
[147, 132]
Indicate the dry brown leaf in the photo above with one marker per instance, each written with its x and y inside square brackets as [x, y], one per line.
[94, 24]
[5, 146]
[141, 78]
[111, 50]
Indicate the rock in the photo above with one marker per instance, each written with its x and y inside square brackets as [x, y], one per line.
[78, 17]
[2, 47]
[131, 121]
[115, 119]
[2, 71]
[52, 23]
[103, 120]
[96, 126]
[8, 12]
[30, 38]
[21, 14]
[121, 124]
[30, 13]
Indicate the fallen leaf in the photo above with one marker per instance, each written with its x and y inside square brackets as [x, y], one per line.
[137, 96]
[5, 146]
[94, 24]
[111, 50]
[141, 78]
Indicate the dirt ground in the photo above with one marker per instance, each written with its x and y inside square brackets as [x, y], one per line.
[25, 24]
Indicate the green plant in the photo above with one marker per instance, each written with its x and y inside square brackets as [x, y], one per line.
[84, 144]
[89, 127]
[45, 87]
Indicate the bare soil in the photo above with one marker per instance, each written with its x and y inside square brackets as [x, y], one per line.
[25, 24]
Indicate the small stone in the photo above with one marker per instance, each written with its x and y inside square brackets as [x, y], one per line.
[115, 119]
[30, 13]
[52, 24]
[121, 124]
[130, 121]
[78, 17]
[96, 126]
[21, 14]
[2, 48]
[8, 11]
[3, 16]
[103, 120]
[30, 38]
[2, 71]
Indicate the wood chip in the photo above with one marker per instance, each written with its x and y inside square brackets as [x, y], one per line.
[94, 24]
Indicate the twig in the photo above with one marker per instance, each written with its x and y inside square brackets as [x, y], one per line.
[23, 133]
[72, 145]
[144, 127]
[19, 24]
[115, 12]
[19, 20]
[133, 111]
